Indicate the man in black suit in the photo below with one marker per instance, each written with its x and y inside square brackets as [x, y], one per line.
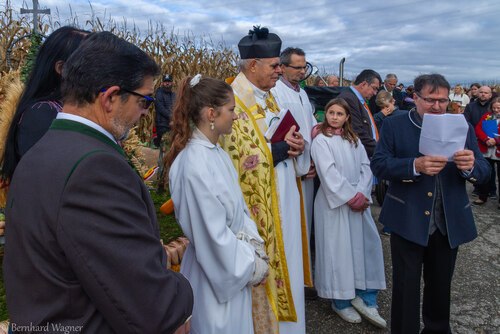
[364, 88]
[83, 249]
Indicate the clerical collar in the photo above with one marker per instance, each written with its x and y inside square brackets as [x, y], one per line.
[290, 85]
[260, 96]
[259, 93]
[86, 121]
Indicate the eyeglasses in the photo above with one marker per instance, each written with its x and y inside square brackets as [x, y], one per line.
[430, 101]
[146, 100]
[297, 67]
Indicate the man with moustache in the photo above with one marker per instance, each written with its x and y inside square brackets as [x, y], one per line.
[268, 181]
[427, 209]
[83, 245]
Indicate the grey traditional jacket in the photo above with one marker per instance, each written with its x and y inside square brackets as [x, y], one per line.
[82, 241]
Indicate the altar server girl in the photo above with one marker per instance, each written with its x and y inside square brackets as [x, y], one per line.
[225, 257]
[349, 261]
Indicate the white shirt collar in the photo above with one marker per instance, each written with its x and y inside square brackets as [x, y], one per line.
[260, 96]
[86, 121]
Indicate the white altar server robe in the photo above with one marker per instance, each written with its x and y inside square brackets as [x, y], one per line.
[211, 210]
[348, 248]
[299, 105]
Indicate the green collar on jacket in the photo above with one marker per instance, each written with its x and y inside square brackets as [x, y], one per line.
[68, 125]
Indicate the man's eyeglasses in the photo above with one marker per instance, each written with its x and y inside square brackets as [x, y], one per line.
[430, 101]
[146, 100]
[297, 67]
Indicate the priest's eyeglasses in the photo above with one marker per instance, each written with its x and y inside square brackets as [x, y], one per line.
[146, 100]
[430, 101]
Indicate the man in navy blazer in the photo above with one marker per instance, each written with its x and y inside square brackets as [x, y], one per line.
[427, 209]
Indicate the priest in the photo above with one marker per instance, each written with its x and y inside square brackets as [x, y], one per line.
[267, 177]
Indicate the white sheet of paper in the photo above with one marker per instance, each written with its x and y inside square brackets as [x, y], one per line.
[443, 135]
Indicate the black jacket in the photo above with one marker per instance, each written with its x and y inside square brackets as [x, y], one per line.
[163, 107]
[474, 111]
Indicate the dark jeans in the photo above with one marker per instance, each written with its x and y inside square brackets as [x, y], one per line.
[486, 189]
[438, 263]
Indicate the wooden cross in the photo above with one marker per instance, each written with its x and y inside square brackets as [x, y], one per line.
[36, 10]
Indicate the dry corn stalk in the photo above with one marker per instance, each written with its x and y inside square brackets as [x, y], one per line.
[178, 55]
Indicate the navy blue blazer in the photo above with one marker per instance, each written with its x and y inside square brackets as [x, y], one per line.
[408, 202]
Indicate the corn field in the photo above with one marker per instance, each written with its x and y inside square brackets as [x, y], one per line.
[178, 55]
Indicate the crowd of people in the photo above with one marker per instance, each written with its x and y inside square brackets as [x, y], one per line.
[252, 175]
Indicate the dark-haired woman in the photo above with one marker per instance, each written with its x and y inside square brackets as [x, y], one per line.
[41, 99]
[225, 257]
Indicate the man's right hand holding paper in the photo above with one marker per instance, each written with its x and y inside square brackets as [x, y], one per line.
[430, 165]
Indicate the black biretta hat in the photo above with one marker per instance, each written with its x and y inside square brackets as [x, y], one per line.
[259, 43]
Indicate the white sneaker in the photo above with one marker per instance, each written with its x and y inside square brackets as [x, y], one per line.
[370, 313]
[349, 314]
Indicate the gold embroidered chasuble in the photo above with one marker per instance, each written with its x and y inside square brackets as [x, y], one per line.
[253, 161]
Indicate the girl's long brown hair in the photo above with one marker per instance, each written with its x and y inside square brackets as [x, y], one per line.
[186, 114]
[348, 133]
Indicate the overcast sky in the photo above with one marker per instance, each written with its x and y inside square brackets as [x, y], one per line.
[459, 39]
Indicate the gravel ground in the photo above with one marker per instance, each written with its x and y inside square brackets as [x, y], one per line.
[475, 291]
